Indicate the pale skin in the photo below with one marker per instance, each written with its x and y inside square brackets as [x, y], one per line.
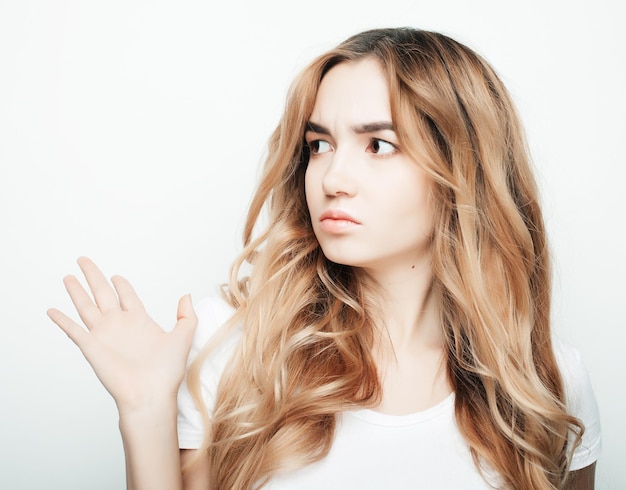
[358, 168]
[142, 366]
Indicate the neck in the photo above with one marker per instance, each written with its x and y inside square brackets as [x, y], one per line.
[410, 354]
[409, 306]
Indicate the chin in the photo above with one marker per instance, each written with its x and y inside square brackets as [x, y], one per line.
[343, 259]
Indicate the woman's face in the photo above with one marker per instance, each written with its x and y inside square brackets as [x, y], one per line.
[369, 202]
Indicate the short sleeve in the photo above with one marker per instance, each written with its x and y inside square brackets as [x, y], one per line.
[581, 403]
[212, 313]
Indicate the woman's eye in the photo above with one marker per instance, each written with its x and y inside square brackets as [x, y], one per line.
[319, 146]
[381, 147]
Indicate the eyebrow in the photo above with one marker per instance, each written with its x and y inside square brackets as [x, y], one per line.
[359, 128]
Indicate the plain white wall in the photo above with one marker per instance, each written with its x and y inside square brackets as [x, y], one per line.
[131, 132]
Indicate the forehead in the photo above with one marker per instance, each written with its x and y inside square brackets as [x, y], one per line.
[354, 90]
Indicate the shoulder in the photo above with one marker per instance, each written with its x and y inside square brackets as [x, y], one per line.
[581, 402]
[575, 376]
[213, 312]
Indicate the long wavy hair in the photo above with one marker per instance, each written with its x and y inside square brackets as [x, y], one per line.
[309, 324]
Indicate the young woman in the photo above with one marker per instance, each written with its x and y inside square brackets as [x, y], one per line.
[394, 331]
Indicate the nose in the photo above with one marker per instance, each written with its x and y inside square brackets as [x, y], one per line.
[339, 178]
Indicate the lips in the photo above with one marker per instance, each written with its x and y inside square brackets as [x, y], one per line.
[335, 214]
[336, 221]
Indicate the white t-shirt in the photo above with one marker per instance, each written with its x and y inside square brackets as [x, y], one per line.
[372, 450]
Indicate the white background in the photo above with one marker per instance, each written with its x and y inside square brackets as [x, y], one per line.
[131, 132]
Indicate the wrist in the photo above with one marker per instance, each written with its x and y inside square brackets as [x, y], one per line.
[150, 440]
[148, 412]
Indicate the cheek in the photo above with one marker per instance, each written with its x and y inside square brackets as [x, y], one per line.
[419, 204]
[309, 189]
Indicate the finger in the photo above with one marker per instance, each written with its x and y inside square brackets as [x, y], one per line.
[85, 306]
[73, 330]
[129, 301]
[186, 318]
[103, 293]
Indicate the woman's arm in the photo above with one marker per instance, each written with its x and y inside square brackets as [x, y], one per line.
[140, 364]
[151, 448]
[582, 479]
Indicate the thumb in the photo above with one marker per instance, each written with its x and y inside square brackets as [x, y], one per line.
[186, 319]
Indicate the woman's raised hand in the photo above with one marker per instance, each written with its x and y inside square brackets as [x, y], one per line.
[136, 360]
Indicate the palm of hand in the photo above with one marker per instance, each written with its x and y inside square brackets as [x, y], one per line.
[135, 359]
